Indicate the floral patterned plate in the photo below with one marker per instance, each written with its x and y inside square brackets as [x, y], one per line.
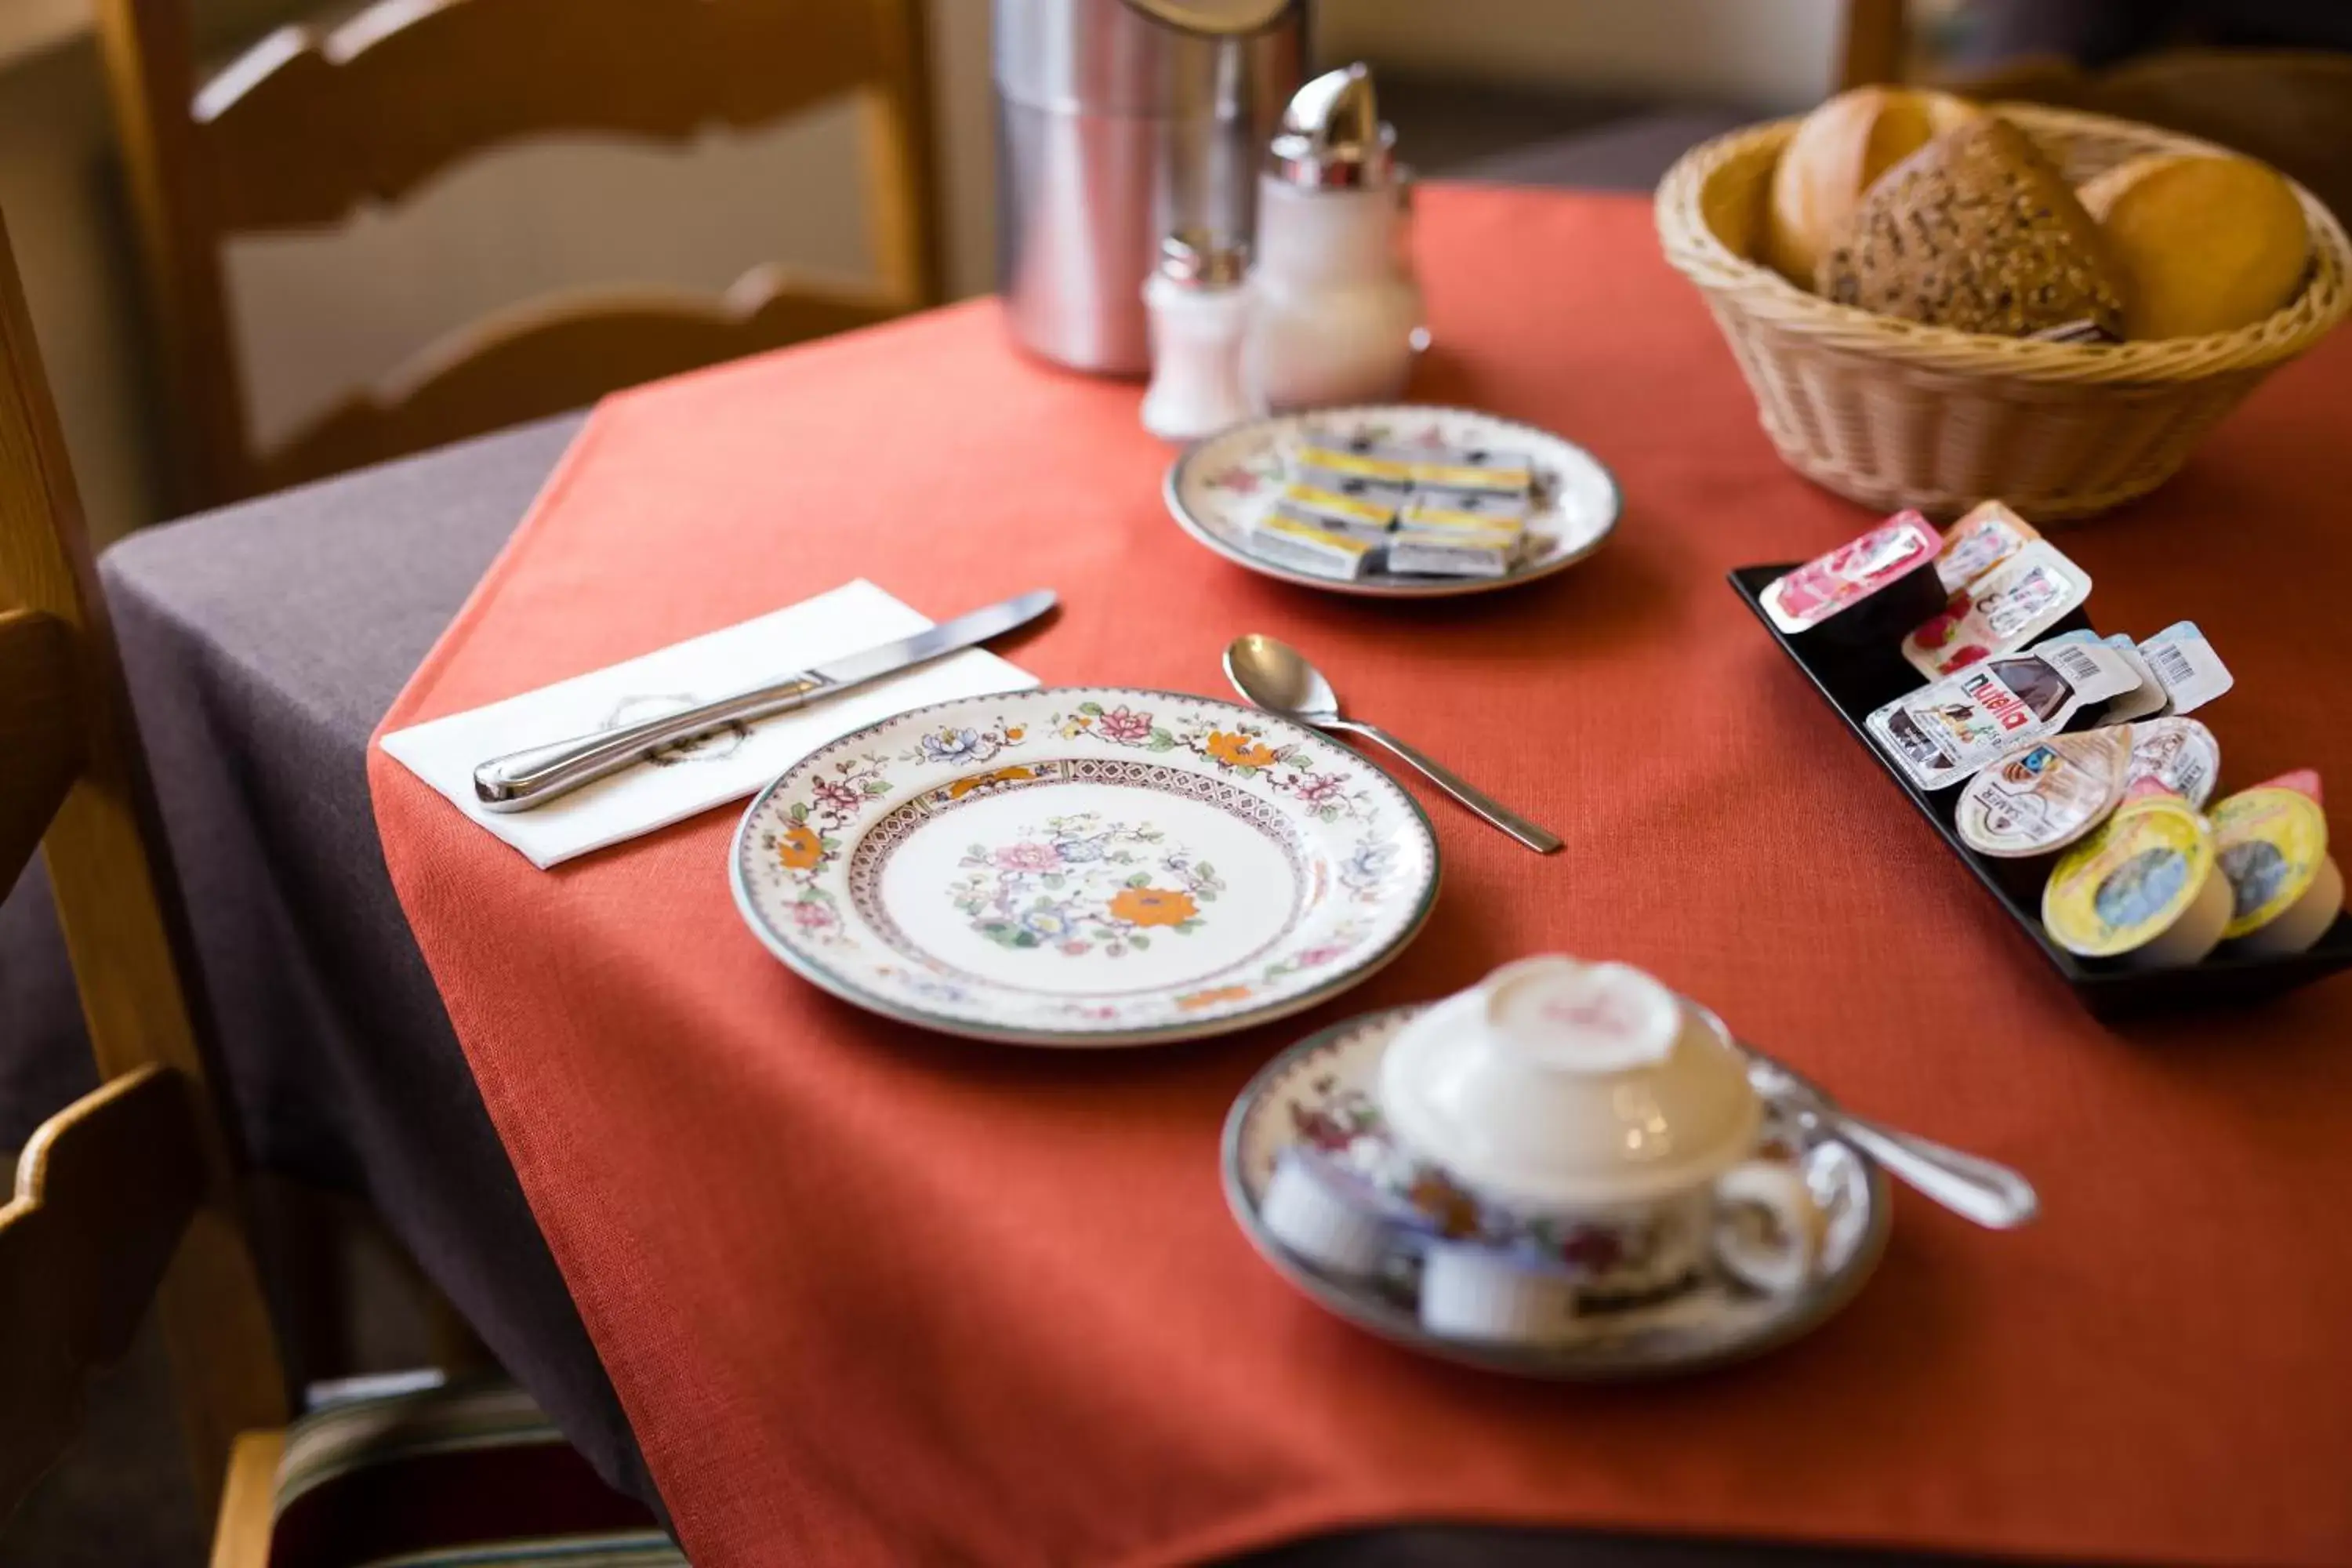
[1319, 1094]
[1085, 866]
[1215, 486]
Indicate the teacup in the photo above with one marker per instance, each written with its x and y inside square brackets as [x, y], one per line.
[1605, 1130]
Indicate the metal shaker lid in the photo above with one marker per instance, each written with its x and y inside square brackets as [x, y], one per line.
[1117, 58]
[1199, 260]
[1333, 133]
[1213, 19]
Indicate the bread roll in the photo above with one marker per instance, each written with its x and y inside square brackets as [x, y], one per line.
[1976, 231]
[2205, 244]
[1833, 159]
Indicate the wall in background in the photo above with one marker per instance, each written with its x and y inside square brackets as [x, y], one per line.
[1774, 54]
[319, 313]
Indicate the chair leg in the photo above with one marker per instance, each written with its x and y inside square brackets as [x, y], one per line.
[216, 1329]
[241, 1537]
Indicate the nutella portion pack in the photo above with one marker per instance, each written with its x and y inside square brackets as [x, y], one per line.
[1944, 733]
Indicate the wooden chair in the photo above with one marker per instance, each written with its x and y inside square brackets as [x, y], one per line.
[133, 1197]
[1877, 37]
[309, 122]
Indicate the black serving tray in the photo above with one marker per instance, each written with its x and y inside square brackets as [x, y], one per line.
[1856, 682]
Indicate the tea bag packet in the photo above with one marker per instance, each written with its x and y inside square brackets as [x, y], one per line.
[2040, 797]
[1335, 462]
[1303, 547]
[1348, 474]
[2192, 673]
[1493, 1295]
[1438, 541]
[1330, 1214]
[2146, 888]
[1474, 470]
[2180, 754]
[2015, 605]
[1868, 589]
[1943, 733]
[1347, 1199]
[1362, 518]
[2285, 890]
[1479, 471]
[1493, 506]
[1979, 542]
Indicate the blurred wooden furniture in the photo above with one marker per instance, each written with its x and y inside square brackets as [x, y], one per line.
[72, 779]
[2291, 108]
[1876, 34]
[131, 1195]
[313, 121]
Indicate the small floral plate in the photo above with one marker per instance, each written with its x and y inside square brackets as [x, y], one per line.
[1085, 866]
[1318, 1095]
[1216, 485]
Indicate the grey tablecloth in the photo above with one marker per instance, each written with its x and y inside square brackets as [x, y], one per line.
[262, 645]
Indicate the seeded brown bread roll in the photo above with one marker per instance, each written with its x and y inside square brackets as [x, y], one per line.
[1976, 231]
[1837, 153]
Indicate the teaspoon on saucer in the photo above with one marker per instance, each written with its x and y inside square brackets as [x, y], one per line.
[1969, 1186]
[1276, 676]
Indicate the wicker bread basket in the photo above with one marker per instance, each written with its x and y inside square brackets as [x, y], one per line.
[1891, 413]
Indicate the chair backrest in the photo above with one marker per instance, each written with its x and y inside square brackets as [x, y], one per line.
[310, 122]
[104, 1191]
[140, 1173]
[1877, 36]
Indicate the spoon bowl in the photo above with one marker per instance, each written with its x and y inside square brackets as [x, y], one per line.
[1278, 677]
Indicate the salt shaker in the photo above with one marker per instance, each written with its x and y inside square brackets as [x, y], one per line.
[1198, 307]
[1335, 308]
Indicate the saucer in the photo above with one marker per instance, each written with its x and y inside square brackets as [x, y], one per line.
[1085, 866]
[1327, 1081]
[1213, 487]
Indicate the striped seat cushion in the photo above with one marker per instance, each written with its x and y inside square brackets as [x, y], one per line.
[440, 1478]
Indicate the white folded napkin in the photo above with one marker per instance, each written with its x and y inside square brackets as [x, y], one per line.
[445, 752]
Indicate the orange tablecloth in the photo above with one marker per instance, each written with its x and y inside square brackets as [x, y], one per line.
[871, 1296]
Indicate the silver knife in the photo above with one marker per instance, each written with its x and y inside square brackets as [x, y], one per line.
[526, 779]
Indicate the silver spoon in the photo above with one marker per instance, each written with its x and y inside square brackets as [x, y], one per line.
[1278, 677]
[1969, 1186]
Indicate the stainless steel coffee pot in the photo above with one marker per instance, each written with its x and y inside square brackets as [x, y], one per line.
[1118, 123]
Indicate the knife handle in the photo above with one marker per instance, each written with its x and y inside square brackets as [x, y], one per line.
[521, 780]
